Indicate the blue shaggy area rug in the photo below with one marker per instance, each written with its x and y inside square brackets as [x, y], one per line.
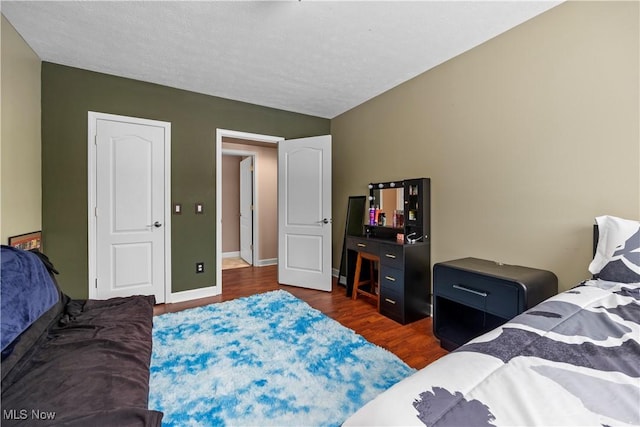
[268, 359]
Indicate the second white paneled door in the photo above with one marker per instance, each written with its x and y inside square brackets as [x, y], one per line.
[246, 209]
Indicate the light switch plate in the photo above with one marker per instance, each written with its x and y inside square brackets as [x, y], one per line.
[177, 208]
[199, 208]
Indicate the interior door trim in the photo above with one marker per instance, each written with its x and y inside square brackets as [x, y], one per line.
[93, 118]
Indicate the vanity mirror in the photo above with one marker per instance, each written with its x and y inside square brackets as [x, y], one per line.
[386, 204]
[399, 210]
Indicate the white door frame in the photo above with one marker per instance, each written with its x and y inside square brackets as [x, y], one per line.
[220, 133]
[93, 117]
[254, 196]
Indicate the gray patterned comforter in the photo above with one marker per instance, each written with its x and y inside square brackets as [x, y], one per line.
[574, 359]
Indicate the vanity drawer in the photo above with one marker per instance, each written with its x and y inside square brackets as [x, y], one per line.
[363, 245]
[391, 305]
[490, 294]
[391, 279]
[392, 255]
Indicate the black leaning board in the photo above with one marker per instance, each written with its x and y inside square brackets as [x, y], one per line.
[353, 227]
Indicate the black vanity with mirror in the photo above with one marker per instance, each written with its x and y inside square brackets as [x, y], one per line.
[396, 228]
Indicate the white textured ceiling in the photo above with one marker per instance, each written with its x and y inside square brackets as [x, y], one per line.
[315, 57]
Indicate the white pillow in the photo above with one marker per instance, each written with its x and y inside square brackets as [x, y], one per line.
[618, 250]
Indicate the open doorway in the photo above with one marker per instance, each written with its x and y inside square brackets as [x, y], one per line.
[231, 148]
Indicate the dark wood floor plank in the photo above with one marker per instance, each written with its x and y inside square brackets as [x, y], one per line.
[414, 343]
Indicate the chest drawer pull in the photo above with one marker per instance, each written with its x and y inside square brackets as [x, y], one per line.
[473, 291]
[362, 245]
[389, 278]
[392, 256]
[390, 301]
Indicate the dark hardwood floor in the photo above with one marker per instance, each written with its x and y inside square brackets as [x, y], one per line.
[414, 343]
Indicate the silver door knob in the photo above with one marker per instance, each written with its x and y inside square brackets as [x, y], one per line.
[326, 221]
[157, 224]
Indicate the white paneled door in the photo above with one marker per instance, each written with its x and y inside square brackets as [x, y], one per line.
[246, 209]
[131, 218]
[304, 212]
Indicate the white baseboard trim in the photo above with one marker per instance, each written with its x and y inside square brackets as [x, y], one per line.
[235, 254]
[210, 291]
[265, 262]
[341, 279]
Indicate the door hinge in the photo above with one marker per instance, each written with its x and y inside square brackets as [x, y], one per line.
[95, 139]
[251, 246]
[95, 211]
[251, 168]
[252, 207]
[96, 283]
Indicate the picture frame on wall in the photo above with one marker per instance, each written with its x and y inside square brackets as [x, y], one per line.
[27, 241]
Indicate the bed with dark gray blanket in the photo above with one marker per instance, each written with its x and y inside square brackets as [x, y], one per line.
[71, 362]
[574, 359]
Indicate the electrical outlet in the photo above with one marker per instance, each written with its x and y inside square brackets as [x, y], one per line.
[199, 267]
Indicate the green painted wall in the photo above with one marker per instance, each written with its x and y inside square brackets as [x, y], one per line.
[69, 93]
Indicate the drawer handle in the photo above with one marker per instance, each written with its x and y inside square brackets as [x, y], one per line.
[389, 278]
[392, 256]
[362, 245]
[390, 301]
[473, 291]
